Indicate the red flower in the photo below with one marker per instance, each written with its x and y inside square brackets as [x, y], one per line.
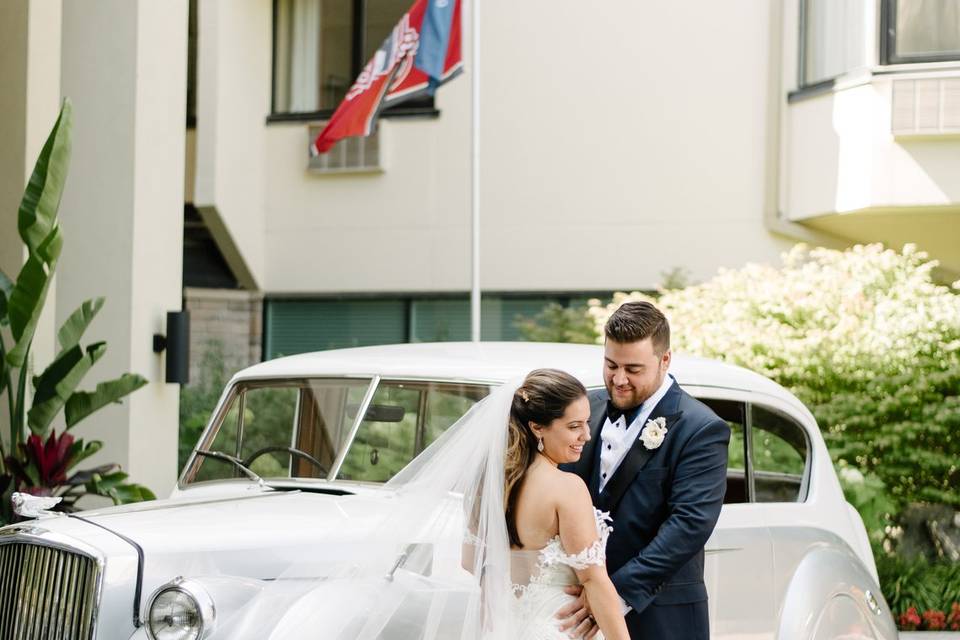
[910, 619]
[41, 466]
[954, 618]
[934, 620]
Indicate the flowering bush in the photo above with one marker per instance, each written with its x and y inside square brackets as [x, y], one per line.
[911, 585]
[909, 620]
[934, 620]
[864, 337]
[929, 620]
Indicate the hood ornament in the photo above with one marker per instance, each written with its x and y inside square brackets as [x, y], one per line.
[29, 506]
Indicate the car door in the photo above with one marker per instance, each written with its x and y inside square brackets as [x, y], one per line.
[739, 555]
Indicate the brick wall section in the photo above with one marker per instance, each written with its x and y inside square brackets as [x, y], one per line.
[227, 320]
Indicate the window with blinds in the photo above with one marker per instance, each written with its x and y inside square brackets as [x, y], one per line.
[301, 325]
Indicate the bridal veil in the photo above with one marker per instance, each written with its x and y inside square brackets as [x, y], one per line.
[432, 560]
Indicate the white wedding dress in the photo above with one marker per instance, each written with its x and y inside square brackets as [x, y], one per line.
[539, 577]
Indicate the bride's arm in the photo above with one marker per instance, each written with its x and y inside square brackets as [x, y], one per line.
[578, 532]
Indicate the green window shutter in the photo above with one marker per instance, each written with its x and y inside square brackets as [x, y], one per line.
[499, 315]
[444, 320]
[299, 326]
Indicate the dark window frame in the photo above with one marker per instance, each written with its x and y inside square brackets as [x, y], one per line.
[806, 477]
[420, 107]
[888, 40]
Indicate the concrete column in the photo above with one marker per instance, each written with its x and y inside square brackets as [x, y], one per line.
[30, 77]
[124, 67]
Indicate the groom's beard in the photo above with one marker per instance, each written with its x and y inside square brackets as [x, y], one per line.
[640, 394]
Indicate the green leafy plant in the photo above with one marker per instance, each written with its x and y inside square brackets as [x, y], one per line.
[199, 398]
[919, 584]
[36, 459]
[556, 323]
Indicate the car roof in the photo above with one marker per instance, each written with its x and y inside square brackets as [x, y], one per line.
[494, 362]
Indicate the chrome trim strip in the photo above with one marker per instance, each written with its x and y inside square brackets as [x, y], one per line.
[137, 594]
[361, 414]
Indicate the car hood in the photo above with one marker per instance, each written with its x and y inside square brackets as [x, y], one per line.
[257, 534]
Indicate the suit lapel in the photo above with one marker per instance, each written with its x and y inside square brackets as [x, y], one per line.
[638, 455]
[589, 463]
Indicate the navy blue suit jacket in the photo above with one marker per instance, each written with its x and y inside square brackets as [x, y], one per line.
[664, 503]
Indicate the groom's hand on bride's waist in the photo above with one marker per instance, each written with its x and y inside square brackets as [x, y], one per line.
[575, 617]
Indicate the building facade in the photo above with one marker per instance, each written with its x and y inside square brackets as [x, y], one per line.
[619, 141]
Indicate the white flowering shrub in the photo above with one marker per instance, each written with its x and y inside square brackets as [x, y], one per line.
[864, 337]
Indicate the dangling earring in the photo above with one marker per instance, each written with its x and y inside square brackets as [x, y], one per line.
[540, 445]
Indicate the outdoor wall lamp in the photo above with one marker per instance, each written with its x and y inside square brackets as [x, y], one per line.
[177, 345]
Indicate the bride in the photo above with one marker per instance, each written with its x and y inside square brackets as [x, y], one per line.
[476, 539]
[557, 538]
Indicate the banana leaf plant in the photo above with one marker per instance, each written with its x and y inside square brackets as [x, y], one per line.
[33, 458]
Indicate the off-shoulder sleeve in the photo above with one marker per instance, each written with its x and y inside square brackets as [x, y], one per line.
[595, 554]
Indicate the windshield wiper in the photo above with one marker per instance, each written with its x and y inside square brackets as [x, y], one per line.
[235, 462]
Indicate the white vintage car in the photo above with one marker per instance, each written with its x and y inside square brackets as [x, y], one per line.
[293, 459]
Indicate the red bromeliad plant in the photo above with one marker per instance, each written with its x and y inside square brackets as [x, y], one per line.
[37, 461]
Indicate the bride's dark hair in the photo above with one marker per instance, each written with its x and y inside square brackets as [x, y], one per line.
[542, 398]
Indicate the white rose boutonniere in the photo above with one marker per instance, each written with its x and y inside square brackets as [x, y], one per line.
[654, 432]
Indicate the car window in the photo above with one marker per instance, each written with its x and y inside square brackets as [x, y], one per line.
[402, 420]
[779, 452]
[386, 439]
[733, 412]
[282, 429]
[446, 404]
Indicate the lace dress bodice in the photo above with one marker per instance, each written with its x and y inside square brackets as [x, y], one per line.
[540, 575]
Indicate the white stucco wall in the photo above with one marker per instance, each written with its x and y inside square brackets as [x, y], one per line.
[613, 149]
[842, 156]
[124, 66]
[233, 100]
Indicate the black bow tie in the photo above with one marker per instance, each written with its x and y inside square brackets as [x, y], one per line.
[614, 414]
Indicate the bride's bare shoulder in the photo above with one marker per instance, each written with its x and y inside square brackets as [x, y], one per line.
[564, 488]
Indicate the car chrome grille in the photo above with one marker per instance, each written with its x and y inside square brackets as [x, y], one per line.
[46, 593]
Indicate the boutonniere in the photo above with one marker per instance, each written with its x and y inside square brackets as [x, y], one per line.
[654, 432]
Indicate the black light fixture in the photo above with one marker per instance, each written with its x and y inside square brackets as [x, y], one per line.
[177, 345]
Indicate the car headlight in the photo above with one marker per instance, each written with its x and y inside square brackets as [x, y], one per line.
[180, 610]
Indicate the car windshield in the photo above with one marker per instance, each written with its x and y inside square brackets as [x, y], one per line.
[309, 428]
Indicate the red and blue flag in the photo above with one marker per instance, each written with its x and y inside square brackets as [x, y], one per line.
[421, 53]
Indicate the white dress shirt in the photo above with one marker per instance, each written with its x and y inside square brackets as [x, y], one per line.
[616, 438]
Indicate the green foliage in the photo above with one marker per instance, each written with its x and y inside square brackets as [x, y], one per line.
[199, 398]
[81, 404]
[675, 278]
[917, 582]
[112, 484]
[74, 327]
[556, 323]
[29, 465]
[869, 497]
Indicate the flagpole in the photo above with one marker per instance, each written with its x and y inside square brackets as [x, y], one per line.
[475, 177]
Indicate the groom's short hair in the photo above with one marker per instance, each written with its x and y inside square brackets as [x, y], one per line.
[636, 321]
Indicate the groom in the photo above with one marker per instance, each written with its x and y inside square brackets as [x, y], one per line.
[657, 461]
